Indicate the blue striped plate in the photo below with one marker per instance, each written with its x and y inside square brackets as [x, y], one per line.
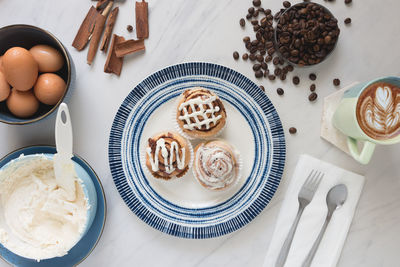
[182, 207]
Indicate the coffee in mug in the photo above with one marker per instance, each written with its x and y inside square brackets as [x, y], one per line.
[370, 113]
[378, 111]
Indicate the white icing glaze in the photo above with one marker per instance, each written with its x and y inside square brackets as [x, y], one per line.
[168, 160]
[198, 111]
[382, 113]
[215, 167]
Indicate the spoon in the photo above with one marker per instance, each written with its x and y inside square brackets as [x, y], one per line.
[63, 166]
[334, 200]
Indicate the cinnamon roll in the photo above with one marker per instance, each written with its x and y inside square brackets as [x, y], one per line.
[200, 113]
[216, 164]
[168, 155]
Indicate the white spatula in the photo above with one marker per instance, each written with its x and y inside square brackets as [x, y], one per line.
[63, 165]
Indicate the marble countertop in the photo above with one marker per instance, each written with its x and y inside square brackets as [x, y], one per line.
[208, 30]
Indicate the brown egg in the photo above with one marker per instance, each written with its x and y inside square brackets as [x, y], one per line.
[49, 88]
[4, 87]
[20, 68]
[22, 104]
[48, 58]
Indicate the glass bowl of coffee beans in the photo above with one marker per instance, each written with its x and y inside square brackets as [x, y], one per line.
[306, 34]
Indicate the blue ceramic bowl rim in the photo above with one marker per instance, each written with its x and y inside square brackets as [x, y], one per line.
[20, 150]
[67, 60]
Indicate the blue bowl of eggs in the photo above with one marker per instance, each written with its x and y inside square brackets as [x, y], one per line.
[36, 73]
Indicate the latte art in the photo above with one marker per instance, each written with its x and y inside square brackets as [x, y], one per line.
[378, 111]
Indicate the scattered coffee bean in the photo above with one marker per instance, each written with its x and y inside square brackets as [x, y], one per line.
[280, 91]
[347, 2]
[296, 80]
[267, 12]
[260, 58]
[336, 82]
[283, 77]
[258, 74]
[306, 34]
[278, 71]
[347, 21]
[312, 97]
[242, 22]
[255, 14]
[236, 55]
[249, 16]
[262, 88]
[264, 66]
[312, 76]
[254, 22]
[271, 77]
[251, 10]
[312, 87]
[292, 130]
[276, 61]
[256, 3]
[268, 58]
[246, 39]
[245, 56]
[252, 57]
[129, 28]
[286, 4]
[290, 68]
[256, 67]
[266, 73]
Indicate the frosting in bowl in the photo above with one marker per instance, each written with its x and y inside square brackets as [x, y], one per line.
[36, 219]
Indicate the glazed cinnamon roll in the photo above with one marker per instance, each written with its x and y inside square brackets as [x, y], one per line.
[216, 164]
[168, 155]
[200, 113]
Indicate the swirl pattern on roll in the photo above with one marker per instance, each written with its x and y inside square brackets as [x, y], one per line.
[216, 166]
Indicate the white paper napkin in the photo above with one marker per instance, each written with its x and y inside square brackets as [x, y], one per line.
[314, 215]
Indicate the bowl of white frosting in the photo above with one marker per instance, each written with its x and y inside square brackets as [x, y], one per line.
[37, 219]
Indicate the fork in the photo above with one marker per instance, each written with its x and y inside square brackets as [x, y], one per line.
[306, 194]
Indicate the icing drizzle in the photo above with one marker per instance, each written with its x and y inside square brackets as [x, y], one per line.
[167, 156]
[197, 106]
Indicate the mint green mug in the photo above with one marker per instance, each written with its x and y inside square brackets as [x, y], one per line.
[345, 120]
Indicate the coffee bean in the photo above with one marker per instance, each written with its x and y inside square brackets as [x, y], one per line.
[267, 12]
[312, 87]
[276, 61]
[283, 77]
[290, 68]
[266, 73]
[129, 28]
[245, 56]
[246, 39]
[260, 58]
[286, 4]
[254, 22]
[347, 21]
[262, 88]
[258, 74]
[271, 77]
[255, 14]
[264, 66]
[347, 1]
[280, 91]
[242, 22]
[277, 71]
[271, 51]
[252, 57]
[336, 82]
[251, 10]
[256, 3]
[268, 58]
[296, 80]
[292, 130]
[249, 16]
[256, 67]
[235, 55]
[312, 97]
[312, 76]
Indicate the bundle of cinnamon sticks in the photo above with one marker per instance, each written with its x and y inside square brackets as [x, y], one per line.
[94, 27]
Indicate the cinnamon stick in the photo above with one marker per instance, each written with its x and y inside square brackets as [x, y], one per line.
[108, 31]
[114, 63]
[86, 28]
[142, 20]
[97, 32]
[129, 47]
